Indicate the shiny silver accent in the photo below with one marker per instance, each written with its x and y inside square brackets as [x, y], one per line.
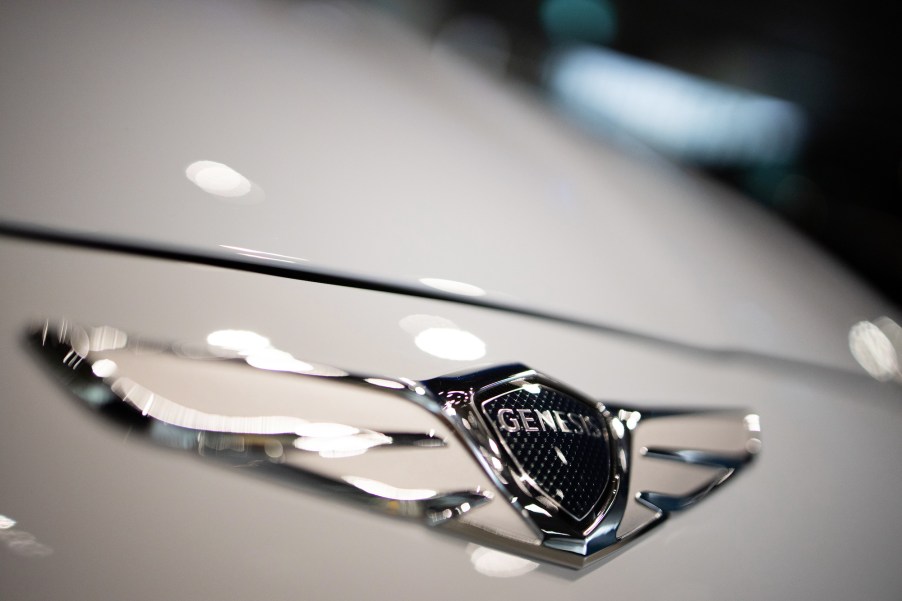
[338, 432]
[574, 536]
[649, 450]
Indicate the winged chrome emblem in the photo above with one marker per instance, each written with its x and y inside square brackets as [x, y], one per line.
[506, 456]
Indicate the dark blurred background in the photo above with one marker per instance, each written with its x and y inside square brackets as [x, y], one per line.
[795, 104]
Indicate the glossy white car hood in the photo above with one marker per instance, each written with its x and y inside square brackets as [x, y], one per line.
[380, 156]
[373, 153]
[101, 513]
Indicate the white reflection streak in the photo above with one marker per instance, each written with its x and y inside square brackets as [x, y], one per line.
[633, 420]
[170, 412]
[106, 338]
[342, 446]
[386, 383]
[242, 342]
[619, 430]
[874, 351]
[253, 256]
[262, 254]
[148, 405]
[453, 287]
[330, 440]
[218, 179]
[536, 509]
[448, 343]
[752, 423]
[6, 523]
[103, 368]
[442, 338]
[387, 491]
[496, 564]
[258, 352]
[275, 360]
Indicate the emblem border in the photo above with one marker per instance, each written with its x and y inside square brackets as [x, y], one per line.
[554, 525]
[527, 479]
[633, 503]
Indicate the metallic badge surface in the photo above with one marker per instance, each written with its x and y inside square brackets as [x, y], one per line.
[550, 449]
[558, 443]
[505, 456]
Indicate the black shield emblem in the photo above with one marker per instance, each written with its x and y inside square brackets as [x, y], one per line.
[559, 444]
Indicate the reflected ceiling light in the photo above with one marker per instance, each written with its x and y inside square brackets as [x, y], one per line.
[496, 564]
[174, 414]
[337, 440]
[453, 287]
[874, 351]
[326, 371]
[6, 523]
[536, 509]
[106, 338]
[442, 338]
[242, 342]
[752, 423]
[218, 179]
[450, 343]
[387, 491]
[342, 446]
[386, 383]
[276, 360]
[632, 420]
[104, 368]
[262, 254]
[258, 352]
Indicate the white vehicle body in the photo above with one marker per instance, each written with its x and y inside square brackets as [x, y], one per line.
[373, 162]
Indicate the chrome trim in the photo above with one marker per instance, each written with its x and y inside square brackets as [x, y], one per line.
[643, 453]
[579, 536]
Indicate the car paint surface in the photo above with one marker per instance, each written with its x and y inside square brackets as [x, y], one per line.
[377, 155]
